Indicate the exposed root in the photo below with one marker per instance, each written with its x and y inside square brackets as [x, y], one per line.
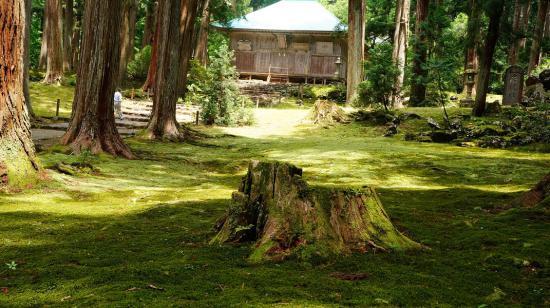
[535, 196]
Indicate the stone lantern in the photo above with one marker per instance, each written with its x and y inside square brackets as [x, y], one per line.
[470, 81]
[338, 67]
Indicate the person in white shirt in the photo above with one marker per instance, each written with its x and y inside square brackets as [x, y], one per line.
[118, 104]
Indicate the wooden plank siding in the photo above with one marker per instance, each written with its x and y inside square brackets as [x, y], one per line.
[303, 55]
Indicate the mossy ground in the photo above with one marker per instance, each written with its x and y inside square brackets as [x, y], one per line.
[101, 240]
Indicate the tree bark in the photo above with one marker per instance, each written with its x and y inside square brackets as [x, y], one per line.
[151, 73]
[486, 60]
[188, 18]
[150, 24]
[276, 209]
[127, 33]
[18, 162]
[68, 25]
[356, 47]
[44, 45]
[175, 30]
[26, 59]
[77, 33]
[518, 31]
[537, 36]
[471, 59]
[537, 196]
[92, 125]
[418, 83]
[54, 63]
[201, 49]
[400, 45]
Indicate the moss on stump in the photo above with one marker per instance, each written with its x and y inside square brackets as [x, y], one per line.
[285, 217]
[326, 112]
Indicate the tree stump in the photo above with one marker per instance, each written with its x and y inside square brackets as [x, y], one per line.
[285, 217]
[325, 112]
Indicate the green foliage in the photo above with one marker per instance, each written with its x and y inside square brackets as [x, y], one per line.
[215, 87]
[380, 74]
[139, 66]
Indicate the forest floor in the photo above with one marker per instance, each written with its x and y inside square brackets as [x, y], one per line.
[135, 233]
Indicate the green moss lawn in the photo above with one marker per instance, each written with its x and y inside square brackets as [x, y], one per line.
[136, 234]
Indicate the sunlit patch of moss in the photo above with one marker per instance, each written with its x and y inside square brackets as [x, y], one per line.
[44, 99]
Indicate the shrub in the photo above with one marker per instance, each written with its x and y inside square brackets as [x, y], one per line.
[215, 87]
[338, 93]
[139, 66]
[380, 73]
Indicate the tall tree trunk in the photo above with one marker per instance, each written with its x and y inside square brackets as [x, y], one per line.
[537, 36]
[68, 26]
[518, 30]
[151, 73]
[44, 44]
[174, 30]
[127, 33]
[356, 47]
[418, 83]
[189, 15]
[525, 14]
[54, 63]
[18, 162]
[92, 125]
[486, 59]
[400, 44]
[471, 59]
[26, 59]
[150, 24]
[201, 49]
[77, 33]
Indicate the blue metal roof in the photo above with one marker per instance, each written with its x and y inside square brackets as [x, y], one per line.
[290, 15]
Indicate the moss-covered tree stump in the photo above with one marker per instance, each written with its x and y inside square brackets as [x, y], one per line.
[285, 217]
[326, 112]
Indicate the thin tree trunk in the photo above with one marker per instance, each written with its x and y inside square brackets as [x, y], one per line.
[418, 86]
[486, 60]
[54, 63]
[537, 36]
[517, 33]
[127, 33]
[201, 51]
[77, 31]
[150, 24]
[44, 45]
[400, 44]
[189, 16]
[26, 60]
[176, 29]
[151, 73]
[68, 25]
[92, 125]
[18, 162]
[525, 14]
[356, 48]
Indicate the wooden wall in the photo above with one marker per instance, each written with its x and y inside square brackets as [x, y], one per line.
[295, 54]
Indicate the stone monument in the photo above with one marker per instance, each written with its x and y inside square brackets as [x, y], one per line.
[513, 86]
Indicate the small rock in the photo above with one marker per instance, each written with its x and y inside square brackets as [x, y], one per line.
[433, 123]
